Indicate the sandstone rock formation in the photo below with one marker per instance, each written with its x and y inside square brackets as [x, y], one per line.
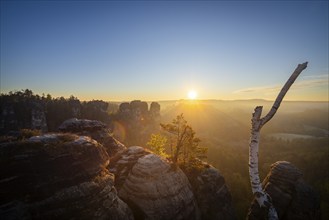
[138, 110]
[155, 107]
[134, 123]
[79, 125]
[291, 196]
[212, 195]
[63, 176]
[155, 110]
[135, 110]
[94, 129]
[38, 120]
[122, 164]
[58, 176]
[153, 188]
[29, 114]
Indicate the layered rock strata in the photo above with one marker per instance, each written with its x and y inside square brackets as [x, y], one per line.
[153, 188]
[122, 164]
[96, 130]
[58, 176]
[212, 195]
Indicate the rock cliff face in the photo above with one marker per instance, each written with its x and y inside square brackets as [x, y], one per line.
[155, 110]
[137, 111]
[291, 196]
[15, 116]
[58, 176]
[39, 121]
[212, 195]
[94, 129]
[153, 188]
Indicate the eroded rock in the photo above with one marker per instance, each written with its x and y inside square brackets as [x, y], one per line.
[122, 164]
[291, 196]
[96, 130]
[79, 125]
[212, 195]
[152, 187]
[58, 176]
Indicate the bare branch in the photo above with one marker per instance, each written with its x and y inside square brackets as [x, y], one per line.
[262, 197]
[283, 92]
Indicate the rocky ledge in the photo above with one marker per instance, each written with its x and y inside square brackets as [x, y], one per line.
[77, 125]
[210, 190]
[291, 196]
[94, 129]
[58, 176]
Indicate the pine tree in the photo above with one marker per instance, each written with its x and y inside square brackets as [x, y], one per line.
[185, 145]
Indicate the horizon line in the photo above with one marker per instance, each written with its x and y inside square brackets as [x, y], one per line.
[166, 100]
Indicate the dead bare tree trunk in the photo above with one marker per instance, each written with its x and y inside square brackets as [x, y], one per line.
[263, 199]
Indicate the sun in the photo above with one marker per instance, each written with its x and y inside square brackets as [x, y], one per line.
[192, 94]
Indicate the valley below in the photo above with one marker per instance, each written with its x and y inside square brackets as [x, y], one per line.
[297, 134]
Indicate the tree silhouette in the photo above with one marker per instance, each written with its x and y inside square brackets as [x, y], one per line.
[185, 146]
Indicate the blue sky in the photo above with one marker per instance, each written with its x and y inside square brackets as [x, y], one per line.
[160, 50]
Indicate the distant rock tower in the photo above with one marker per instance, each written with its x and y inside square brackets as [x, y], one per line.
[155, 110]
[138, 110]
[38, 120]
[124, 107]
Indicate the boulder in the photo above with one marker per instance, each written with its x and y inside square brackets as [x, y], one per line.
[94, 129]
[153, 188]
[58, 176]
[212, 195]
[291, 196]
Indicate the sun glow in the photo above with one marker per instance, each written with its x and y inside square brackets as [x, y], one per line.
[192, 94]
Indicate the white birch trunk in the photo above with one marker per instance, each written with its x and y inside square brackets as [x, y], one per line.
[253, 156]
[263, 199]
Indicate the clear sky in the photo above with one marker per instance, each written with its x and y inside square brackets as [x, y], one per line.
[159, 50]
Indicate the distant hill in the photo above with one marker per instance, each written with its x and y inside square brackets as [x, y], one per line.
[249, 105]
[208, 121]
[230, 120]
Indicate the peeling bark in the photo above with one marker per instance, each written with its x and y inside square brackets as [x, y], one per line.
[263, 199]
